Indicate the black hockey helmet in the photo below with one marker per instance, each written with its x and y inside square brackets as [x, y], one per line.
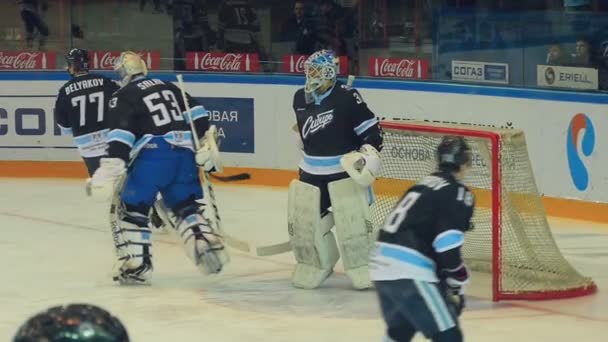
[72, 323]
[453, 152]
[79, 58]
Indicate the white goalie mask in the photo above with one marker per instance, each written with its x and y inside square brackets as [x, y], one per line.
[321, 70]
[128, 65]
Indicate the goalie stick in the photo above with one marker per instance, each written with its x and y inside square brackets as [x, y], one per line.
[231, 178]
[230, 241]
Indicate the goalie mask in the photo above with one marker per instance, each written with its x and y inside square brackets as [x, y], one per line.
[321, 70]
[128, 65]
[73, 323]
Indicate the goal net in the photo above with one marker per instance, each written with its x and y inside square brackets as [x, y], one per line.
[511, 239]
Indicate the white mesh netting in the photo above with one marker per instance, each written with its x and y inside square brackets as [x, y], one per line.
[531, 264]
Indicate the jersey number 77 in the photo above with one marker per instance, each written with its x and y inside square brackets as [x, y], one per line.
[81, 102]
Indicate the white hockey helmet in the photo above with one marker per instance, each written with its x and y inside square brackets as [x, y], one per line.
[128, 65]
[321, 70]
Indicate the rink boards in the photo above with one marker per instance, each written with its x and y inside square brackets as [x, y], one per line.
[254, 113]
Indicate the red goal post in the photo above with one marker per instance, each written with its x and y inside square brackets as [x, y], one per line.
[512, 239]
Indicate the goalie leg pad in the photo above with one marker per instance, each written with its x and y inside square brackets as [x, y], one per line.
[310, 236]
[202, 244]
[350, 203]
[133, 249]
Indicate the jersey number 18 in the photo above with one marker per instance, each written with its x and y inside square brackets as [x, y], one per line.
[394, 219]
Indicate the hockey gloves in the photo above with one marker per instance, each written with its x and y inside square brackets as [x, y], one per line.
[363, 165]
[101, 185]
[455, 299]
[453, 282]
[208, 154]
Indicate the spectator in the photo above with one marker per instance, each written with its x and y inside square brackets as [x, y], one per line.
[582, 55]
[299, 29]
[191, 29]
[603, 74]
[157, 9]
[555, 55]
[603, 65]
[31, 14]
[238, 26]
[330, 28]
[577, 5]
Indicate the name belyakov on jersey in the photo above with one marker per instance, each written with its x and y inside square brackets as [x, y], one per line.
[313, 124]
[84, 84]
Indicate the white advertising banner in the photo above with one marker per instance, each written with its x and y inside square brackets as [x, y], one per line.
[28, 130]
[567, 150]
[480, 72]
[567, 77]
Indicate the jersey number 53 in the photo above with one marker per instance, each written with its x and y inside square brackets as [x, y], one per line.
[164, 107]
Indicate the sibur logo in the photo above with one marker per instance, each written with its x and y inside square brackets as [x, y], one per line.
[580, 124]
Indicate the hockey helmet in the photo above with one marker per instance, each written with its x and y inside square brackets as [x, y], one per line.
[73, 323]
[453, 152]
[128, 65]
[78, 59]
[321, 70]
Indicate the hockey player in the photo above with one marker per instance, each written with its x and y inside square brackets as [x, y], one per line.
[151, 145]
[81, 108]
[340, 139]
[417, 265]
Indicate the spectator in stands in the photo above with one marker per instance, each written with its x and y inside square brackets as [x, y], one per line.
[577, 5]
[603, 74]
[191, 30]
[582, 56]
[556, 56]
[31, 14]
[603, 65]
[329, 28]
[157, 8]
[238, 26]
[298, 28]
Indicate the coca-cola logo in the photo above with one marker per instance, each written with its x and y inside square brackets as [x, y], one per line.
[295, 64]
[404, 68]
[23, 60]
[107, 60]
[298, 64]
[227, 62]
[314, 124]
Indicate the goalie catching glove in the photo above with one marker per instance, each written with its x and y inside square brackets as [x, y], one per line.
[363, 165]
[101, 185]
[208, 154]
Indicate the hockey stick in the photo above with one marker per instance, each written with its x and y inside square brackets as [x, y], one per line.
[231, 178]
[286, 246]
[350, 80]
[230, 241]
